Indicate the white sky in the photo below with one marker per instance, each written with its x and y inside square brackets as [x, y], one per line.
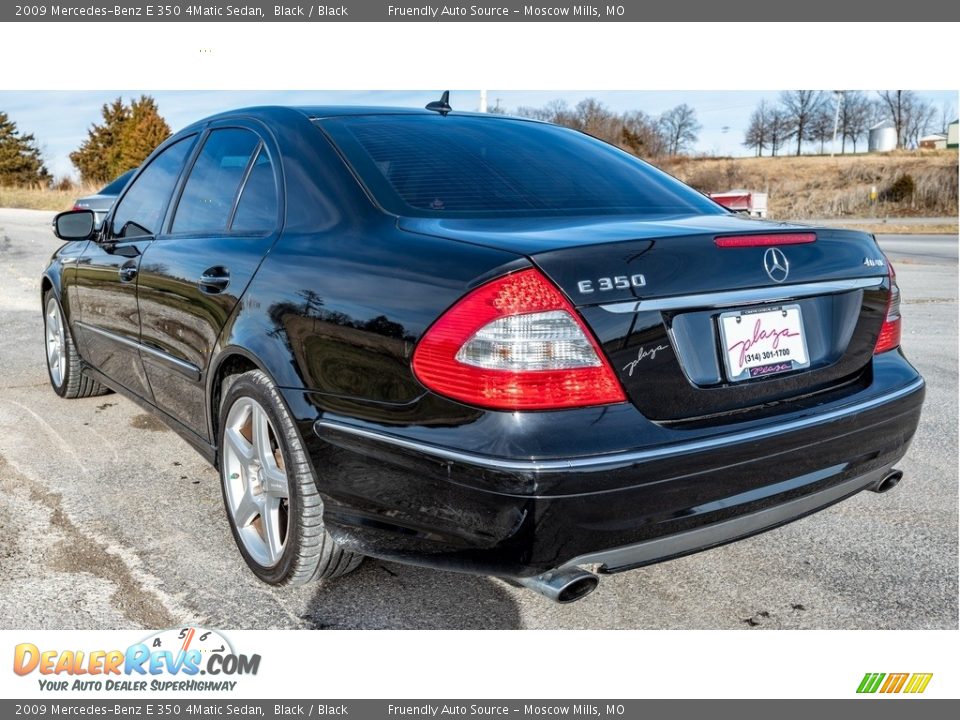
[60, 119]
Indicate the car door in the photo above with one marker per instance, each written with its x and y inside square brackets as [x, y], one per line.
[225, 220]
[108, 321]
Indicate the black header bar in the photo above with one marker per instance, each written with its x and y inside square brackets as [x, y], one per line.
[739, 11]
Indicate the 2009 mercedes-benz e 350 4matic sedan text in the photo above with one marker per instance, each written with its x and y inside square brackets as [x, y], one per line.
[479, 343]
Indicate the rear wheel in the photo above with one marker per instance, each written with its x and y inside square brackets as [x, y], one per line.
[63, 361]
[272, 503]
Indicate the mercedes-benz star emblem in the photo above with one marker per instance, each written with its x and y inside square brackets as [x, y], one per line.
[776, 264]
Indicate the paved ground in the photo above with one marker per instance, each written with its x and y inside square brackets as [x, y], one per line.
[110, 521]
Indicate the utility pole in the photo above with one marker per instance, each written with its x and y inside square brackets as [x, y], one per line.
[483, 101]
[836, 122]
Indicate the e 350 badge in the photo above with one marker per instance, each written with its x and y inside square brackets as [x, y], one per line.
[150, 664]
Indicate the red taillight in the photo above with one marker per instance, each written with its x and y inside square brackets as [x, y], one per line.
[76, 207]
[889, 338]
[739, 241]
[515, 343]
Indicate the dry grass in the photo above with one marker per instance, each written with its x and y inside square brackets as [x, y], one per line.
[824, 187]
[34, 199]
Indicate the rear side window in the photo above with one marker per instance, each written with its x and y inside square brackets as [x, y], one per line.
[141, 210]
[211, 190]
[473, 166]
[257, 209]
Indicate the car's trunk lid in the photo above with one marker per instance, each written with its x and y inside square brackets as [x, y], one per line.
[654, 291]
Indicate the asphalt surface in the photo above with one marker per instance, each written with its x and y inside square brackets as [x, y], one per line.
[109, 520]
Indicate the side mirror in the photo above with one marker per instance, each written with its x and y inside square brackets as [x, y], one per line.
[74, 225]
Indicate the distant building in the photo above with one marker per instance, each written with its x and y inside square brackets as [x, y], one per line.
[952, 134]
[934, 141]
[883, 137]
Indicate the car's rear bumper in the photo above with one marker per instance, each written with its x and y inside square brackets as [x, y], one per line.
[392, 495]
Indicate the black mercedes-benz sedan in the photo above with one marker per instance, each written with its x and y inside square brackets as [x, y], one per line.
[479, 343]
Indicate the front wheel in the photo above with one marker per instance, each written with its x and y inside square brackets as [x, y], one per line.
[272, 503]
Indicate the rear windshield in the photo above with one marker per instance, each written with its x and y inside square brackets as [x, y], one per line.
[468, 166]
[117, 185]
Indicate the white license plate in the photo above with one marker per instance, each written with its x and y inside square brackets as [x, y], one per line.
[758, 343]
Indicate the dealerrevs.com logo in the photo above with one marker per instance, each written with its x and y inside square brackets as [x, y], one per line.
[181, 659]
[890, 683]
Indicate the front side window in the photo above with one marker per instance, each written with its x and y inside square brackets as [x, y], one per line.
[141, 210]
[210, 192]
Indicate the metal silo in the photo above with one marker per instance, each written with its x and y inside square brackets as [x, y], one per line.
[883, 137]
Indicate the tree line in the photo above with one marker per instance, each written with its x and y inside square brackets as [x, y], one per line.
[123, 139]
[673, 132]
[810, 116]
[128, 132]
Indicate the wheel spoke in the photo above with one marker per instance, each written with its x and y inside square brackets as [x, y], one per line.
[247, 509]
[238, 443]
[275, 481]
[270, 520]
[261, 435]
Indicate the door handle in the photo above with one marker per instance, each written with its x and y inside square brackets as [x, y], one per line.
[128, 271]
[214, 280]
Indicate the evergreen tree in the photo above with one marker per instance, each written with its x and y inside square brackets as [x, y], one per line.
[126, 137]
[20, 159]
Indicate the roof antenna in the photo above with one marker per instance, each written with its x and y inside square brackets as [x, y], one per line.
[442, 105]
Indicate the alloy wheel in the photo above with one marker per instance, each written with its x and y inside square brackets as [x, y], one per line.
[255, 480]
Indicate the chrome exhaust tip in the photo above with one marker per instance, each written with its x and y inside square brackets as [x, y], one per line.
[889, 481]
[565, 585]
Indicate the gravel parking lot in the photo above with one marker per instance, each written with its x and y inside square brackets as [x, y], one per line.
[111, 521]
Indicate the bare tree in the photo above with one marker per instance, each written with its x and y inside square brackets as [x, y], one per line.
[801, 106]
[920, 120]
[642, 135]
[758, 131]
[555, 111]
[909, 114]
[595, 118]
[821, 124]
[856, 114]
[633, 131]
[948, 113]
[680, 128]
[779, 130]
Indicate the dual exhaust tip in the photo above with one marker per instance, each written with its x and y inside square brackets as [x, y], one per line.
[567, 585]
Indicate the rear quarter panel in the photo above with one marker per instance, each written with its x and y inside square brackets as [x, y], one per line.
[341, 299]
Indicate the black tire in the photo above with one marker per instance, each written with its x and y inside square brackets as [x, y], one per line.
[66, 377]
[308, 551]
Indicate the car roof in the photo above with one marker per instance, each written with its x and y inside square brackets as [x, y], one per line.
[318, 112]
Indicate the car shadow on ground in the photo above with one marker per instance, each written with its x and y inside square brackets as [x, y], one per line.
[382, 595]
